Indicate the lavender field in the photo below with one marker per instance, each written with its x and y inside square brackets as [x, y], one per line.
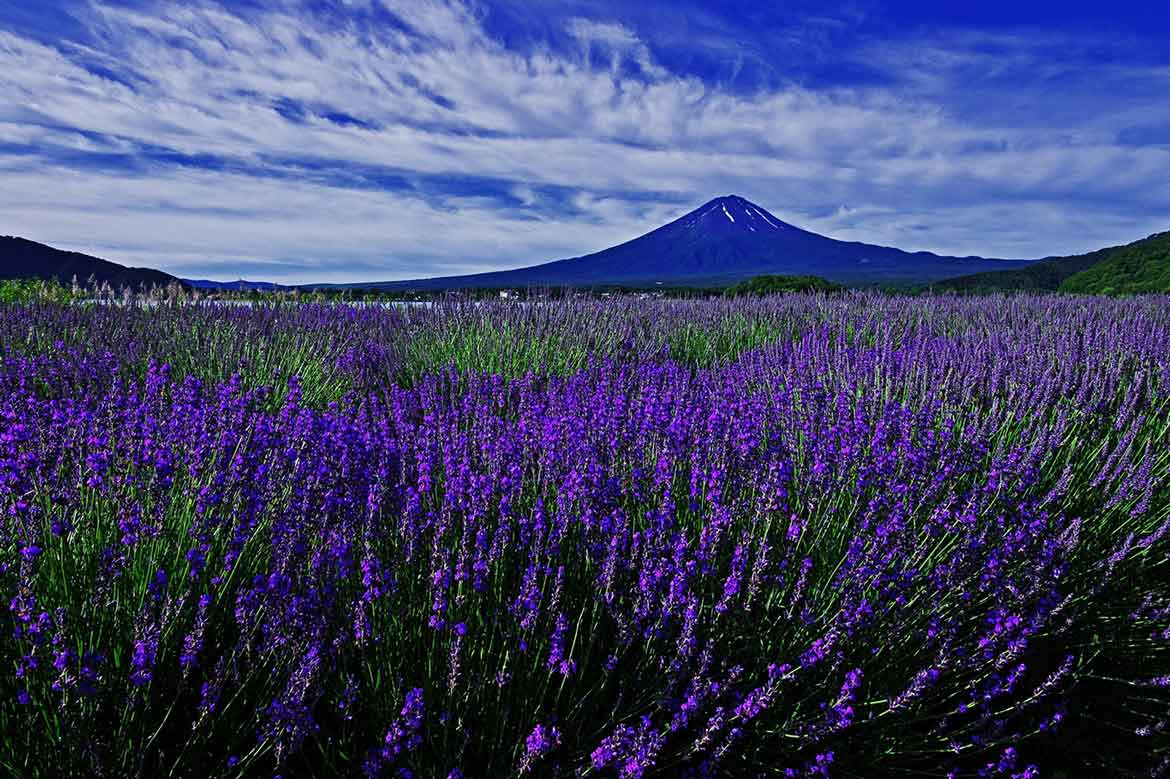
[804, 536]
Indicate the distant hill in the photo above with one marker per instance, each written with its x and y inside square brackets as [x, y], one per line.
[1042, 276]
[24, 259]
[1138, 268]
[237, 286]
[726, 240]
[1138, 264]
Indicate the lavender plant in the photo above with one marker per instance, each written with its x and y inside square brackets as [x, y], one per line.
[802, 536]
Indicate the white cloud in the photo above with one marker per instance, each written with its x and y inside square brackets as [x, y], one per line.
[614, 43]
[200, 223]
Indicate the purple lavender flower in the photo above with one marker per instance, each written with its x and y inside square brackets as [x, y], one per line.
[404, 734]
[542, 740]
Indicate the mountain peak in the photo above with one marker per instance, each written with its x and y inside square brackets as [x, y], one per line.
[733, 214]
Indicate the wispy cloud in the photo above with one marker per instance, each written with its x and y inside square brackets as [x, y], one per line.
[396, 138]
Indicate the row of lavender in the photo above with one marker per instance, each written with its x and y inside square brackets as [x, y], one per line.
[799, 537]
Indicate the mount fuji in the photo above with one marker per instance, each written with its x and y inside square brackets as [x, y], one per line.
[725, 240]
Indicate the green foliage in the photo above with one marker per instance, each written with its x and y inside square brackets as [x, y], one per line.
[35, 291]
[772, 284]
[1143, 267]
[705, 345]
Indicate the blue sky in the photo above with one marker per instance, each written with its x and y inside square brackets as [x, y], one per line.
[350, 140]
